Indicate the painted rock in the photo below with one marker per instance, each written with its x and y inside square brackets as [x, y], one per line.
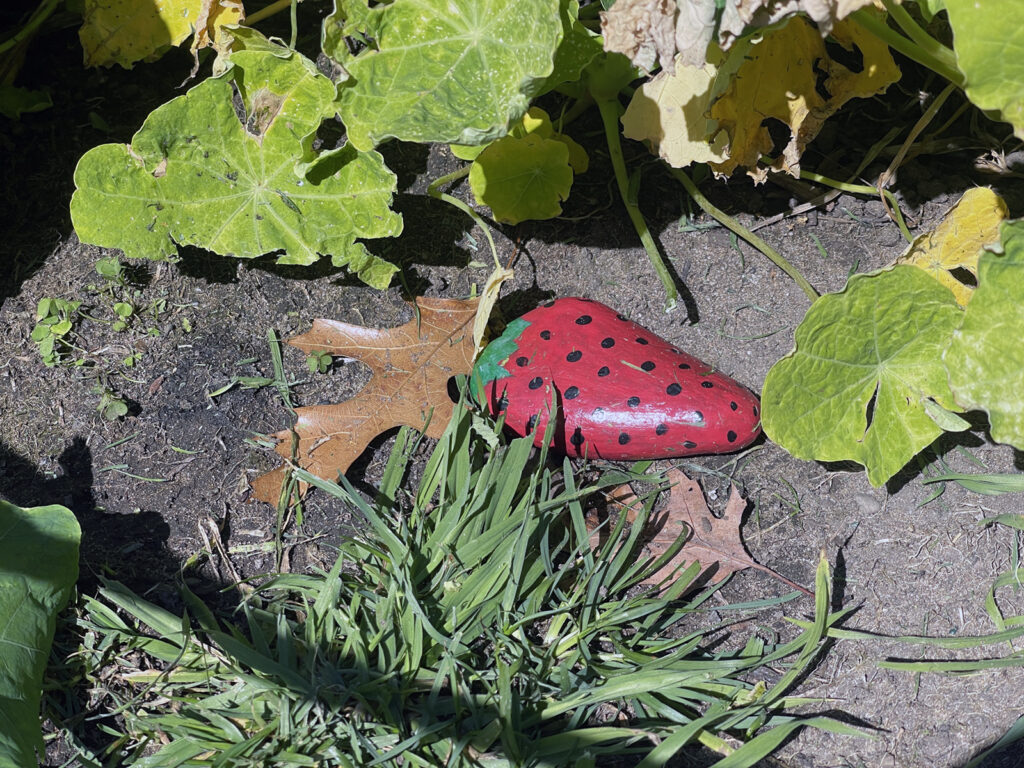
[617, 391]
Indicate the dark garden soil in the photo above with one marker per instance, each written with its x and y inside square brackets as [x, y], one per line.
[157, 489]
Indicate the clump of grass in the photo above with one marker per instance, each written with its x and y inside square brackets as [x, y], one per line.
[471, 624]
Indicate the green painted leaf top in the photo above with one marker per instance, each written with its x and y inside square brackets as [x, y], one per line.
[455, 71]
[197, 173]
[38, 566]
[866, 361]
[988, 38]
[986, 357]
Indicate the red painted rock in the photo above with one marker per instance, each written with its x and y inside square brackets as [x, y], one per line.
[620, 392]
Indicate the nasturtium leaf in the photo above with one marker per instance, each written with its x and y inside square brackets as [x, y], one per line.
[538, 122]
[15, 101]
[38, 567]
[988, 38]
[958, 240]
[784, 77]
[865, 361]
[523, 178]
[577, 49]
[670, 112]
[195, 175]
[456, 71]
[986, 358]
[126, 31]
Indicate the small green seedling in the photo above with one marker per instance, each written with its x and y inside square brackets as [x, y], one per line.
[124, 312]
[111, 270]
[319, 362]
[54, 320]
[111, 406]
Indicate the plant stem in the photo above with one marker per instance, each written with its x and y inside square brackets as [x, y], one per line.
[434, 190]
[942, 64]
[734, 226]
[610, 118]
[863, 189]
[266, 12]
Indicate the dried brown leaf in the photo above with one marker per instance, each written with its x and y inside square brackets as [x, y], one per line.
[411, 366]
[715, 542]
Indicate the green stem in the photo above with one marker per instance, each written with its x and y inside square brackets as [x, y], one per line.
[610, 118]
[271, 10]
[434, 190]
[862, 189]
[942, 64]
[734, 226]
[39, 15]
[913, 30]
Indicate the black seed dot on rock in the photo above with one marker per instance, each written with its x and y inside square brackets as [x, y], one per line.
[707, 384]
[583, 320]
[641, 340]
[577, 438]
[661, 429]
[682, 366]
[755, 410]
[620, 317]
[623, 438]
[572, 393]
[608, 343]
[633, 402]
[521, 361]
[536, 382]
[730, 436]
[597, 410]
[603, 371]
[647, 365]
[546, 335]
[502, 404]
[733, 405]
[531, 422]
[573, 356]
[689, 444]
[698, 416]
[673, 389]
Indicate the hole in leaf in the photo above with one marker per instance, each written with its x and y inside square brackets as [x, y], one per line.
[852, 60]
[779, 133]
[453, 389]
[869, 412]
[965, 276]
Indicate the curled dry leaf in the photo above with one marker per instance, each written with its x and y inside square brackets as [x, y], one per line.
[411, 366]
[714, 542]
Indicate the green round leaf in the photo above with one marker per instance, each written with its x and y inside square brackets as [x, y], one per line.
[455, 71]
[523, 178]
[986, 359]
[875, 348]
[989, 47]
[195, 175]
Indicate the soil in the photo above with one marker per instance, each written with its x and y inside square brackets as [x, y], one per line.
[154, 488]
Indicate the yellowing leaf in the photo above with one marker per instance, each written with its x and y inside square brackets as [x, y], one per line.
[671, 113]
[126, 31]
[959, 239]
[779, 80]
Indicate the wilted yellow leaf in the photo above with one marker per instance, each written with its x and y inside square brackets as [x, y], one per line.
[958, 240]
[126, 31]
[779, 80]
[671, 112]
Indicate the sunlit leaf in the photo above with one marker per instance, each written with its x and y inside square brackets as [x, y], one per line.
[957, 241]
[195, 174]
[986, 359]
[989, 44]
[865, 361]
[456, 71]
[126, 31]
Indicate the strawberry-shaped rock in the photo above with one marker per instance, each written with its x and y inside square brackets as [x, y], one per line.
[620, 391]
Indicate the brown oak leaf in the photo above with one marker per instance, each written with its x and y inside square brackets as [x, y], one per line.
[411, 366]
[714, 542]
